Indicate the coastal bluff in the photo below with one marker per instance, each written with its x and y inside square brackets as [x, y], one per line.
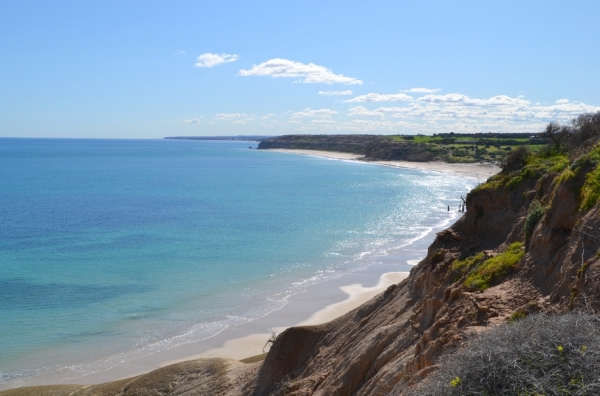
[528, 242]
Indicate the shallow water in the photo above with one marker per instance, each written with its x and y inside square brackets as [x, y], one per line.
[114, 249]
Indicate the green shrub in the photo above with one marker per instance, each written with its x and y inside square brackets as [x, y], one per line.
[535, 355]
[516, 159]
[460, 153]
[588, 160]
[537, 166]
[529, 167]
[564, 176]
[536, 211]
[590, 192]
[482, 276]
[518, 315]
[492, 183]
[583, 269]
[466, 264]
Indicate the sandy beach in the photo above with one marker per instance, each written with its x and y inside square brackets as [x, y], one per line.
[479, 171]
[319, 303]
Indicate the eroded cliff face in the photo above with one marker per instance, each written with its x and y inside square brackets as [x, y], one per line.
[393, 341]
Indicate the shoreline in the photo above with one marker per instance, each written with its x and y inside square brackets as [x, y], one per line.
[319, 303]
[477, 170]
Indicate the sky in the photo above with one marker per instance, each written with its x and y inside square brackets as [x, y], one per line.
[150, 69]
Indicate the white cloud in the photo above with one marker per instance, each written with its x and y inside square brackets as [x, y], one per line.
[180, 53]
[322, 121]
[500, 100]
[232, 116]
[428, 127]
[563, 112]
[336, 93]
[239, 122]
[314, 113]
[421, 90]
[449, 98]
[361, 111]
[192, 120]
[211, 60]
[375, 97]
[438, 113]
[429, 113]
[307, 73]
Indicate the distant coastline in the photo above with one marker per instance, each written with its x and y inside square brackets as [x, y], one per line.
[243, 138]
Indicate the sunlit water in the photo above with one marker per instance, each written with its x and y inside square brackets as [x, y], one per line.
[114, 249]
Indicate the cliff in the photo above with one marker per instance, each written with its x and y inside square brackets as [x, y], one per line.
[528, 242]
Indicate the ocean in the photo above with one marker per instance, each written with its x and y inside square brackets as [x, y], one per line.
[116, 249]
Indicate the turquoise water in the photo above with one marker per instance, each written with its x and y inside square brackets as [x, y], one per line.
[113, 249]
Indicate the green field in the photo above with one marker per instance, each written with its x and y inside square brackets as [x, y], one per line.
[471, 148]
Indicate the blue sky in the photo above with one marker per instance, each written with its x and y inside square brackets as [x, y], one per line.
[149, 69]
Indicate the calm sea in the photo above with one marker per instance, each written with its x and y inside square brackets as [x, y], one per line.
[113, 249]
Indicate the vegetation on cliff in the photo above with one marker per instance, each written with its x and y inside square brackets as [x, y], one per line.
[481, 276]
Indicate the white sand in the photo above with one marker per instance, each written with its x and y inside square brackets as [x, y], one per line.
[318, 153]
[253, 344]
[357, 295]
[479, 171]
